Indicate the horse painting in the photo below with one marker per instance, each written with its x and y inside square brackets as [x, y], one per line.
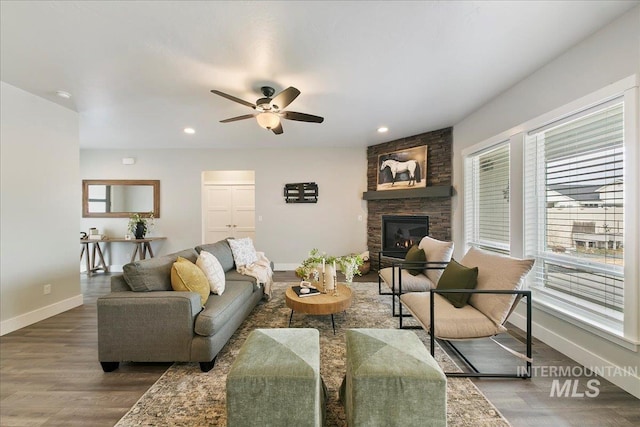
[396, 167]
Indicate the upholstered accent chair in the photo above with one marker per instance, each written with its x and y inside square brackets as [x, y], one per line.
[500, 279]
[399, 278]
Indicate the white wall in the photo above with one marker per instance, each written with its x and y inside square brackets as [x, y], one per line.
[40, 181]
[605, 57]
[287, 231]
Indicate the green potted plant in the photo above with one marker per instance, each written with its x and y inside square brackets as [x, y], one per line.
[349, 264]
[139, 224]
[312, 265]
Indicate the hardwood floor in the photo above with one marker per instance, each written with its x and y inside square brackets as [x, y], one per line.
[50, 376]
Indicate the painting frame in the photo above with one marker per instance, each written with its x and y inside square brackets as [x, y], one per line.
[402, 169]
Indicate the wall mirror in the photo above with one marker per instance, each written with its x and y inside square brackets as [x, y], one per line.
[119, 198]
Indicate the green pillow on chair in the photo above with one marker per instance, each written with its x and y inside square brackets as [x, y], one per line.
[457, 276]
[415, 254]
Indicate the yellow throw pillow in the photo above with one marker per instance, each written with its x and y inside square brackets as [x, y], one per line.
[186, 276]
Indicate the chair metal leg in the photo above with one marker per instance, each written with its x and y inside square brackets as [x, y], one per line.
[476, 373]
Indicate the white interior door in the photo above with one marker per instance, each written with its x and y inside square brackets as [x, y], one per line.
[229, 212]
[244, 211]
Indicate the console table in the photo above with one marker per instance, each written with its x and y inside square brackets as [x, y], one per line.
[95, 258]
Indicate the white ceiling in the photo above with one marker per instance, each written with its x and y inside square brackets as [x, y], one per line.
[140, 72]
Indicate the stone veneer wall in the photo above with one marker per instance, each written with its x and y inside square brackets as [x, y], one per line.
[439, 167]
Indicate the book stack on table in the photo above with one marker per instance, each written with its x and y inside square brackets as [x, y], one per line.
[301, 294]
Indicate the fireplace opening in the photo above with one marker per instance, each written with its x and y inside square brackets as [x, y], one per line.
[400, 232]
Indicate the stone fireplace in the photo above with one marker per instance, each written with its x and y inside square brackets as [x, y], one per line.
[433, 202]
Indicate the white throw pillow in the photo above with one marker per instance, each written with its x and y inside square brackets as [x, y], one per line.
[243, 251]
[435, 251]
[213, 270]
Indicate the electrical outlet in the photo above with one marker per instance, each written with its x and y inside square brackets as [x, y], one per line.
[46, 290]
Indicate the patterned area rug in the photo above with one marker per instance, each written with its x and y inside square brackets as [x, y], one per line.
[185, 396]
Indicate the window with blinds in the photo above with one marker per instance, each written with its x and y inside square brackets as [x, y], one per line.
[487, 198]
[574, 208]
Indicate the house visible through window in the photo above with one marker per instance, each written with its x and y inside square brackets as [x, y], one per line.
[575, 197]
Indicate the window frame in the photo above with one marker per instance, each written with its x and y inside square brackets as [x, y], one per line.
[520, 230]
[536, 198]
[472, 214]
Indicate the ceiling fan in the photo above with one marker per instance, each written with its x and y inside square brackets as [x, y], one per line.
[269, 110]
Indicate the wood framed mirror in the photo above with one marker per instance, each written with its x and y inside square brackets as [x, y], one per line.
[119, 198]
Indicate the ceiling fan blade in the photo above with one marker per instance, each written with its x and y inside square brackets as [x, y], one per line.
[234, 99]
[301, 117]
[278, 129]
[235, 119]
[284, 98]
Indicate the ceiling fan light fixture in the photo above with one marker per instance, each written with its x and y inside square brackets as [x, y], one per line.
[268, 120]
[269, 111]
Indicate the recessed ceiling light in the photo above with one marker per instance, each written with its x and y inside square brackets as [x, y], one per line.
[383, 129]
[63, 94]
[190, 131]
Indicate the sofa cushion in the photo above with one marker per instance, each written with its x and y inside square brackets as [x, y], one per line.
[450, 322]
[221, 251]
[220, 308]
[234, 276]
[410, 283]
[154, 274]
[213, 270]
[415, 254]
[188, 277]
[119, 284]
[435, 251]
[243, 251]
[457, 276]
[496, 271]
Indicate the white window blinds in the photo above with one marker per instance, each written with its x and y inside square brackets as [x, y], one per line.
[487, 198]
[574, 200]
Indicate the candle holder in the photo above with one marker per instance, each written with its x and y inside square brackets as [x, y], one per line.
[324, 282]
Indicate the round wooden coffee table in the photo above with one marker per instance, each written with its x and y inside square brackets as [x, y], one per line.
[322, 304]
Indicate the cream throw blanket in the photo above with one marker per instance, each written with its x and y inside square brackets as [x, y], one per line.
[261, 271]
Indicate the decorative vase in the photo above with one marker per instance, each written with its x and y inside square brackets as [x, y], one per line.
[329, 278]
[140, 230]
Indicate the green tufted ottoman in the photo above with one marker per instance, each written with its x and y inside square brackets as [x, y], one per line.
[275, 380]
[392, 380]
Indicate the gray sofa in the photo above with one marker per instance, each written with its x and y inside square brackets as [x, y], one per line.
[144, 320]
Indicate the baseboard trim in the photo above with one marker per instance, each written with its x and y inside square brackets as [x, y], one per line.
[26, 319]
[285, 266]
[585, 357]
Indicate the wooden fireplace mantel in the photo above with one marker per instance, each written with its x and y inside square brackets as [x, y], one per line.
[414, 193]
